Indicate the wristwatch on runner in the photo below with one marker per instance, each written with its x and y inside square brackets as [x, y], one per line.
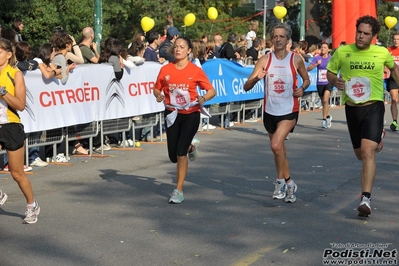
[3, 91]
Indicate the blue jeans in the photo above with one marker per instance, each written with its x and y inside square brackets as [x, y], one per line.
[33, 154]
[157, 132]
[145, 132]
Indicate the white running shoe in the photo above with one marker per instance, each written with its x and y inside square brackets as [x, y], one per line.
[364, 207]
[38, 162]
[126, 143]
[31, 214]
[3, 197]
[192, 156]
[329, 119]
[291, 189]
[177, 197]
[208, 126]
[251, 120]
[279, 190]
[60, 158]
[106, 147]
[26, 168]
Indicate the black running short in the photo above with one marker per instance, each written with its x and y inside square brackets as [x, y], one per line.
[365, 122]
[322, 88]
[12, 136]
[391, 84]
[270, 121]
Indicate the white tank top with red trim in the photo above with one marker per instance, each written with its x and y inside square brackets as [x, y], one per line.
[280, 83]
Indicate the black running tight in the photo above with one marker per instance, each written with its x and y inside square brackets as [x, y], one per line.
[181, 133]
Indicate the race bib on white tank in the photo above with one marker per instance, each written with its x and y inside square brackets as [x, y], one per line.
[3, 112]
[279, 86]
[358, 89]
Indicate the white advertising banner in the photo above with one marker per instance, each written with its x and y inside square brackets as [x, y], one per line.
[91, 94]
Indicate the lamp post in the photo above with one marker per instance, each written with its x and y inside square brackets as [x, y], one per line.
[98, 23]
[302, 24]
[264, 18]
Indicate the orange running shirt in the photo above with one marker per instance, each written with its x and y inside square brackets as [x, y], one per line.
[187, 79]
[394, 51]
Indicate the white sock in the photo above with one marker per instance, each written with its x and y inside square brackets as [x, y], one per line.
[291, 184]
[33, 205]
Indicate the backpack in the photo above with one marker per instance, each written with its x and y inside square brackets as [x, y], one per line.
[222, 50]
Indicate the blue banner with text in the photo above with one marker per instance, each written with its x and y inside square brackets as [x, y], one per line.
[228, 79]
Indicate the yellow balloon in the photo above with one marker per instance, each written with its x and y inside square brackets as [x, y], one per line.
[147, 24]
[279, 11]
[189, 19]
[212, 13]
[390, 22]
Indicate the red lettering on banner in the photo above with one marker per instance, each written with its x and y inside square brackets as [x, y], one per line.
[136, 89]
[80, 95]
[59, 93]
[61, 97]
[95, 93]
[43, 95]
[70, 96]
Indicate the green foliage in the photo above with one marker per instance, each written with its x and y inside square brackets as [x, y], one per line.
[121, 18]
[325, 20]
[385, 9]
[293, 19]
[40, 17]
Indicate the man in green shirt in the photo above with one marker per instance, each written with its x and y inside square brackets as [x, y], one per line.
[88, 47]
[357, 70]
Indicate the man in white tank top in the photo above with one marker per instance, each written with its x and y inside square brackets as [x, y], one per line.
[279, 70]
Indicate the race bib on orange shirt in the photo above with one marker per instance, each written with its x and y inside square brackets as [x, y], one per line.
[179, 98]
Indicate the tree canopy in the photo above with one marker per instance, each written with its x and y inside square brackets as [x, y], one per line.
[121, 18]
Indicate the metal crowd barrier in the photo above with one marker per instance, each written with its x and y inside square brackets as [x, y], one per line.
[218, 109]
[387, 96]
[148, 120]
[251, 105]
[121, 125]
[114, 126]
[82, 131]
[309, 98]
[335, 97]
[44, 138]
[236, 107]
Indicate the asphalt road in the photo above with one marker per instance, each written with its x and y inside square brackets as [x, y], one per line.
[114, 210]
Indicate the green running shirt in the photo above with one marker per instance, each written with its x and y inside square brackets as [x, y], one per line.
[352, 62]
